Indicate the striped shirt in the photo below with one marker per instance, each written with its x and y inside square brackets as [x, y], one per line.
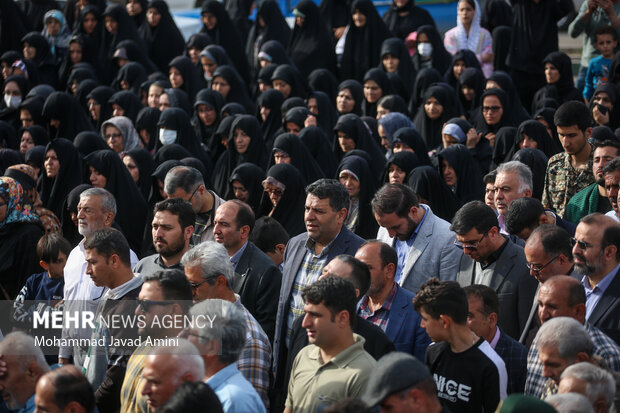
[381, 316]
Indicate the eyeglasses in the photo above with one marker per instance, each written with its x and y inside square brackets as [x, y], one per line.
[491, 108]
[196, 285]
[470, 245]
[537, 269]
[186, 332]
[113, 136]
[581, 244]
[193, 193]
[146, 304]
[275, 191]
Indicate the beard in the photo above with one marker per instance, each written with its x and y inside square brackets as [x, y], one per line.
[170, 249]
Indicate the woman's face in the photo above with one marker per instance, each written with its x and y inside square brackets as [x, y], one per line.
[351, 183]
[26, 142]
[372, 91]
[29, 51]
[96, 179]
[359, 18]
[344, 101]
[458, 68]
[208, 65]
[153, 98]
[468, 93]
[242, 141]
[194, 55]
[117, 110]
[281, 157]
[164, 102]
[313, 106]
[448, 173]
[240, 191]
[51, 164]
[6, 70]
[111, 25]
[274, 193]
[133, 7]
[153, 16]
[346, 144]
[401, 147]
[221, 85]
[552, 74]
[381, 111]
[264, 113]
[448, 140]
[94, 108]
[89, 23]
[25, 118]
[114, 138]
[262, 86]
[466, 13]
[176, 78]
[209, 20]
[390, 63]
[491, 84]
[53, 26]
[282, 86]
[206, 114]
[602, 98]
[75, 52]
[433, 108]
[132, 167]
[395, 174]
[492, 109]
[527, 142]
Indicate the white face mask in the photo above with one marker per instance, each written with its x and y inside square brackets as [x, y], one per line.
[425, 49]
[207, 77]
[12, 101]
[167, 136]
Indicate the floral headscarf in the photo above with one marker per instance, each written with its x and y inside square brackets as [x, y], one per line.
[17, 211]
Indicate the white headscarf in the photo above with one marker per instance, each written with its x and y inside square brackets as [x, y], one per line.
[471, 42]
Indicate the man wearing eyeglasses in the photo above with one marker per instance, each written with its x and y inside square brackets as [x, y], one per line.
[490, 259]
[597, 257]
[188, 184]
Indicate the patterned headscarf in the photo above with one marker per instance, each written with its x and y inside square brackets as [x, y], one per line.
[16, 210]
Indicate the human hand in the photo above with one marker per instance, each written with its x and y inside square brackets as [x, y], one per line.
[310, 121]
[599, 117]
[473, 137]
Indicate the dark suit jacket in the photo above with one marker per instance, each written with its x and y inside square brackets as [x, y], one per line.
[258, 281]
[512, 282]
[403, 326]
[606, 314]
[514, 355]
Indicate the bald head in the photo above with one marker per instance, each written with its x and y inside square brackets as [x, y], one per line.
[562, 296]
[65, 389]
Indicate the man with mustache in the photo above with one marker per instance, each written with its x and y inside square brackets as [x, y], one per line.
[612, 183]
[513, 181]
[173, 226]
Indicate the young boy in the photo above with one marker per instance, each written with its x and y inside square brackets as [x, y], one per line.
[605, 41]
[469, 375]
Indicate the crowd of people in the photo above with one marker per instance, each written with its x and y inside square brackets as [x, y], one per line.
[372, 214]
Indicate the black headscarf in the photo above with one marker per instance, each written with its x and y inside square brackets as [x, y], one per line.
[147, 120]
[134, 74]
[9, 157]
[428, 185]
[505, 82]
[440, 58]
[216, 147]
[145, 164]
[126, 31]
[14, 26]
[102, 95]
[355, 128]
[537, 161]
[381, 79]
[405, 160]
[311, 45]
[504, 145]
[547, 114]
[69, 229]
[501, 45]
[84, 89]
[275, 52]
[423, 80]
[35, 157]
[130, 103]
[160, 175]
[176, 119]
[192, 82]
[39, 134]
[469, 184]
[66, 108]
[431, 129]
[318, 145]
[44, 59]
[507, 117]
[136, 54]
[172, 151]
[132, 209]
[179, 99]
[276, 29]
[612, 92]
[357, 91]
[324, 81]
[233, 108]
[251, 177]
[213, 100]
[91, 42]
[564, 89]
[164, 41]
[406, 71]
[238, 90]
[474, 79]
[496, 13]
[327, 116]
[536, 131]
[414, 18]
[88, 142]
[293, 78]
[362, 46]
[414, 140]
[301, 158]
[468, 57]
[54, 190]
[271, 99]
[335, 13]
[290, 209]
[393, 103]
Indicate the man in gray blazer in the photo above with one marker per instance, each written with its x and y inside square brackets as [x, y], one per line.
[423, 241]
[489, 258]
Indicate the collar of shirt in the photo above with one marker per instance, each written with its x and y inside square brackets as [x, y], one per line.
[237, 255]
[222, 376]
[310, 243]
[495, 255]
[414, 234]
[387, 304]
[603, 284]
[493, 342]
[343, 358]
[123, 289]
[160, 262]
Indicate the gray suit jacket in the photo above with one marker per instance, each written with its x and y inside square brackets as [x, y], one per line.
[511, 281]
[433, 253]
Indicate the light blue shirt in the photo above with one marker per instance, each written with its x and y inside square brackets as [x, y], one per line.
[402, 248]
[29, 407]
[593, 295]
[237, 256]
[235, 392]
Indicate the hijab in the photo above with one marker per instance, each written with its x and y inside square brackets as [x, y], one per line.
[133, 74]
[38, 133]
[66, 108]
[440, 58]
[102, 95]
[428, 185]
[431, 129]
[135, 53]
[324, 81]
[318, 144]
[300, 156]
[406, 71]
[293, 78]
[357, 91]
[126, 30]
[128, 101]
[327, 116]
[469, 184]
[276, 29]
[147, 120]
[564, 89]
[145, 164]
[537, 161]
[381, 79]
[536, 131]
[164, 41]
[412, 18]
[424, 79]
[130, 137]
[192, 82]
[507, 119]
[88, 142]
[414, 140]
[44, 60]
[393, 103]
[504, 145]
[9, 157]
[474, 79]
[251, 177]
[177, 120]
[213, 100]
[290, 209]
[160, 175]
[505, 82]
[357, 130]
[238, 90]
[469, 41]
[392, 122]
[275, 52]
[405, 160]
[179, 99]
[54, 190]
[172, 151]
[271, 99]
[468, 57]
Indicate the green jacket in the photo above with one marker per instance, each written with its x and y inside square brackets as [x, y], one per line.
[582, 203]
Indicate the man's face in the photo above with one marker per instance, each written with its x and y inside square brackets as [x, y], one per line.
[44, 397]
[395, 403]
[16, 385]
[537, 258]
[56, 268]
[477, 320]
[322, 222]
[553, 302]
[399, 227]
[320, 326]
[151, 292]
[168, 236]
[573, 140]
[588, 261]
[91, 215]
[552, 364]
[194, 198]
[337, 268]
[98, 268]
[600, 158]
[200, 290]
[160, 380]
[379, 274]
[612, 183]
[476, 245]
[225, 230]
[507, 190]
[434, 327]
[489, 195]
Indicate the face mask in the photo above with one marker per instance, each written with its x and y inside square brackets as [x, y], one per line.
[12, 101]
[425, 49]
[207, 77]
[167, 136]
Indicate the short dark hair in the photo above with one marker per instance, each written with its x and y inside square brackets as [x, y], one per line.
[523, 213]
[184, 177]
[335, 293]
[176, 206]
[554, 240]
[245, 215]
[50, 246]
[107, 242]
[490, 177]
[192, 397]
[360, 274]
[611, 234]
[576, 292]
[333, 190]
[573, 113]
[488, 296]
[605, 30]
[70, 385]
[474, 214]
[606, 143]
[394, 198]
[613, 165]
[174, 286]
[438, 298]
[387, 254]
[268, 233]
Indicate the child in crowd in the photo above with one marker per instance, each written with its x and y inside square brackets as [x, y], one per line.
[605, 41]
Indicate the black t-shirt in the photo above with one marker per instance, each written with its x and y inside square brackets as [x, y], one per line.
[471, 381]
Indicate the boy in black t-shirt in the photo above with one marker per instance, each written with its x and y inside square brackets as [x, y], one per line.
[469, 375]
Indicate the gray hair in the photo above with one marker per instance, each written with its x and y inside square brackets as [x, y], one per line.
[570, 403]
[229, 327]
[213, 260]
[185, 356]
[599, 382]
[523, 172]
[22, 346]
[567, 334]
[108, 202]
[184, 177]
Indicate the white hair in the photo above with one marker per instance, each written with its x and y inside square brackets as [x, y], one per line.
[599, 382]
[185, 356]
[567, 334]
[22, 346]
[213, 260]
[523, 172]
[570, 403]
